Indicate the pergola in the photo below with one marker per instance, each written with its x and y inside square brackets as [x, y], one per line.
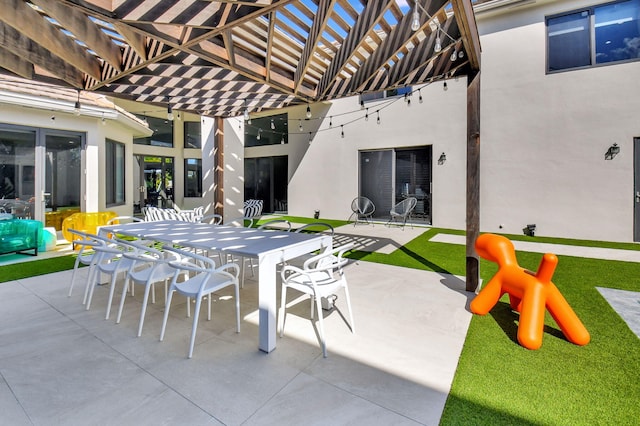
[222, 58]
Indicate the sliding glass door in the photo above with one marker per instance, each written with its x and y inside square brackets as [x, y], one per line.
[389, 176]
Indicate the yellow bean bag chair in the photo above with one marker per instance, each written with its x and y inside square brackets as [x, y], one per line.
[85, 222]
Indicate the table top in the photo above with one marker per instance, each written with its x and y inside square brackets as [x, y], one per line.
[250, 242]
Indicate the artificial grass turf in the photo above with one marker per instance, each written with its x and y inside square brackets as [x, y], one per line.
[498, 382]
[16, 271]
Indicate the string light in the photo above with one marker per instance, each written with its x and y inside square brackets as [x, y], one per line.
[444, 87]
[361, 103]
[273, 125]
[300, 125]
[342, 131]
[415, 20]
[366, 115]
[246, 111]
[454, 56]
[438, 47]
[259, 134]
[308, 114]
[309, 138]
[169, 110]
[282, 140]
[420, 96]
[76, 108]
[378, 119]
[330, 121]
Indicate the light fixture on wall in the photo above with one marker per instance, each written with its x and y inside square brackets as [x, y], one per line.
[612, 152]
[442, 159]
[76, 109]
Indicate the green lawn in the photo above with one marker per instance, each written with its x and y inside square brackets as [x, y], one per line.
[498, 382]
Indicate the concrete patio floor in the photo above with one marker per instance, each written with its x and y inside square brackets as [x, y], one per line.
[62, 364]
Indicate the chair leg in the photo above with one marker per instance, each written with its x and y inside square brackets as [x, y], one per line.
[73, 275]
[283, 309]
[195, 325]
[112, 288]
[348, 299]
[321, 329]
[166, 313]
[92, 271]
[145, 300]
[124, 296]
[237, 287]
[209, 303]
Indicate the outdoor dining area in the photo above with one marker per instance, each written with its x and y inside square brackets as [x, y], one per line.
[156, 359]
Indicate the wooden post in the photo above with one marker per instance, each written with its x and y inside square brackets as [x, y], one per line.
[218, 164]
[473, 179]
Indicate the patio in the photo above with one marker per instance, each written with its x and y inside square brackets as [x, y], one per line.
[62, 364]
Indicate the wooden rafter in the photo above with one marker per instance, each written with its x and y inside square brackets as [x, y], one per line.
[297, 50]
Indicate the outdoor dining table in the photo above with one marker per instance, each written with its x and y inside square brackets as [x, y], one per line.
[269, 247]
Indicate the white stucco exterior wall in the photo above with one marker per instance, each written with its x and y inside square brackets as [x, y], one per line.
[543, 137]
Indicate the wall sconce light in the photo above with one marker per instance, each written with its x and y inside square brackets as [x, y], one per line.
[612, 152]
[530, 230]
[442, 159]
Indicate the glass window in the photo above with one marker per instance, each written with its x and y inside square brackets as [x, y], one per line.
[17, 172]
[192, 134]
[569, 45]
[391, 93]
[114, 167]
[162, 132]
[617, 32]
[613, 28]
[266, 179]
[269, 130]
[193, 177]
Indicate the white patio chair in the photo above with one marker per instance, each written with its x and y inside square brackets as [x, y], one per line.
[86, 254]
[362, 209]
[320, 277]
[148, 266]
[212, 219]
[402, 211]
[207, 279]
[110, 261]
[276, 224]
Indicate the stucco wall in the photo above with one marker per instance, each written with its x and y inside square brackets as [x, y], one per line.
[544, 137]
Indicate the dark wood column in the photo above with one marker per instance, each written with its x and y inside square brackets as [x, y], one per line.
[473, 179]
[218, 164]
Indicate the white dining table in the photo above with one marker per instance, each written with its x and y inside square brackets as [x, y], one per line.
[269, 247]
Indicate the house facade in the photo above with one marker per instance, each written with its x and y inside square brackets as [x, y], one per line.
[559, 131]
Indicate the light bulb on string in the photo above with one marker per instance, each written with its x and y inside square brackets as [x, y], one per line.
[300, 125]
[282, 139]
[249, 120]
[420, 96]
[169, 109]
[309, 138]
[415, 20]
[438, 47]
[308, 114]
[366, 115]
[330, 121]
[445, 87]
[76, 108]
[342, 131]
[273, 125]
[454, 56]
[259, 134]
[246, 111]
[378, 119]
[361, 104]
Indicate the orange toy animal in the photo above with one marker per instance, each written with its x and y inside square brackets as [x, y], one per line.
[529, 293]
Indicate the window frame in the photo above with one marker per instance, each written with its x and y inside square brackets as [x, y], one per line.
[112, 162]
[186, 179]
